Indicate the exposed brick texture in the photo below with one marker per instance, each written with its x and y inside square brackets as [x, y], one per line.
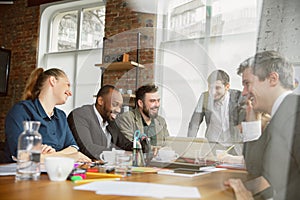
[121, 28]
[19, 28]
[18, 32]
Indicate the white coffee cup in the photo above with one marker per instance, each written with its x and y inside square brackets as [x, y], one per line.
[58, 168]
[110, 156]
[167, 155]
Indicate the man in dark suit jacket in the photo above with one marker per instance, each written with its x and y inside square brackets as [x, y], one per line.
[93, 126]
[268, 80]
[209, 102]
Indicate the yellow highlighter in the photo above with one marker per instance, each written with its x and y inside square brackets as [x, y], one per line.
[102, 175]
[94, 180]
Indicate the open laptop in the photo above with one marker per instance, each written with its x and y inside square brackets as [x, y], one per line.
[187, 149]
[187, 146]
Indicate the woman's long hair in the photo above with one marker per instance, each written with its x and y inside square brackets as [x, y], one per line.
[37, 80]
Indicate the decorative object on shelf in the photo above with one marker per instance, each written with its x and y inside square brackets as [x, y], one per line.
[125, 64]
[116, 58]
[119, 66]
[122, 64]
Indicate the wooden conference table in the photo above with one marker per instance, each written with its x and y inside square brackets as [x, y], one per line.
[210, 186]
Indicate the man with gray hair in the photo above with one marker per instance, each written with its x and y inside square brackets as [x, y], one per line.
[268, 80]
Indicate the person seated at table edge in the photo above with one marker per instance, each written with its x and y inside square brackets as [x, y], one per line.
[268, 81]
[44, 90]
[93, 126]
[145, 117]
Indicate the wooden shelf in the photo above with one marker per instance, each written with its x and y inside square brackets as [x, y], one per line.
[119, 65]
[127, 96]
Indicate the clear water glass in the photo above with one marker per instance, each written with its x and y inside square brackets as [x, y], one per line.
[29, 152]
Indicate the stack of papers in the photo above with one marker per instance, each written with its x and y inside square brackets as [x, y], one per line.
[124, 188]
[8, 169]
[232, 166]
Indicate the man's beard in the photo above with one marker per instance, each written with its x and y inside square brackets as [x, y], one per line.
[147, 113]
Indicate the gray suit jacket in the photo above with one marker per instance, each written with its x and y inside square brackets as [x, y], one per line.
[203, 109]
[276, 154]
[89, 135]
[131, 121]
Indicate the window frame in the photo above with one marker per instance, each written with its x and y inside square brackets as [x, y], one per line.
[79, 10]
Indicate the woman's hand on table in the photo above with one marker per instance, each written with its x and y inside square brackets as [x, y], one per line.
[47, 149]
[77, 156]
[80, 157]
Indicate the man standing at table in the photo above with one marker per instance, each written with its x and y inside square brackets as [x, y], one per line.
[223, 113]
[145, 117]
[93, 126]
[268, 80]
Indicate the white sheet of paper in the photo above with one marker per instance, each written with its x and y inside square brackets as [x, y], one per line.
[172, 173]
[8, 169]
[251, 130]
[124, 188]
[211, 169]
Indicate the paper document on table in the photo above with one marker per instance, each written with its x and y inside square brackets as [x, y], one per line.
[125, 188]
[182, 173]
[8, 169]
[232, 166]
[186, 172]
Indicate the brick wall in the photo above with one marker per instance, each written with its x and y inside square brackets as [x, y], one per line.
[19, 33]
[19, 25]
[122, 26]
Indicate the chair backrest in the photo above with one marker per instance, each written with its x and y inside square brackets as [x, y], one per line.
[2, 153]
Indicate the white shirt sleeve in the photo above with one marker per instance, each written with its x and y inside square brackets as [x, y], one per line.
[251, 130]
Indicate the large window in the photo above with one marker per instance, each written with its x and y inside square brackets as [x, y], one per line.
[202, 18]
[71, 39]
[201, 36]
[66, 27]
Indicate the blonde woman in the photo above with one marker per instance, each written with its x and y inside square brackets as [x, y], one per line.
[44, 90]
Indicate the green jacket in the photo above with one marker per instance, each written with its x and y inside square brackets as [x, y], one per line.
[131, 121]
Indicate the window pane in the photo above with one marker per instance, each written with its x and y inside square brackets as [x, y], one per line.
[233, 17]
[92, 31]
[197, 19]
[64, 31]
[188, 19]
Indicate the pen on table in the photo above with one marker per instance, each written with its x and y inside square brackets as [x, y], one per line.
[229, 149]
[95, 179]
